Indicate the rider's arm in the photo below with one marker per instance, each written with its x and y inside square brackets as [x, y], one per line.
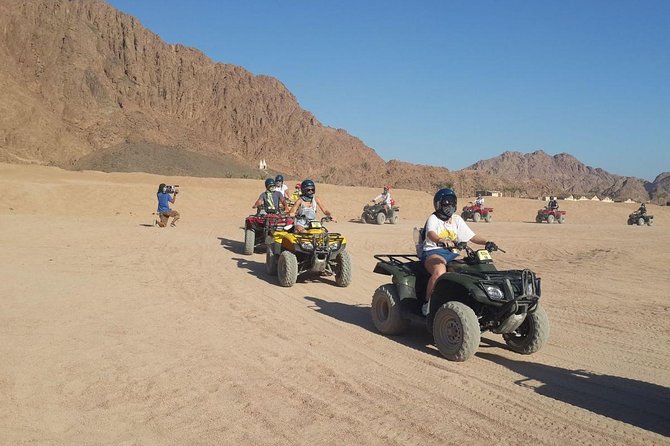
[257, 204]
[432, 235]
[478, 239]
[294, 208]
[325, 211]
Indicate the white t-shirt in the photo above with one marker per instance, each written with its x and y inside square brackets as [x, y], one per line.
[386, 198]
[455, 230]
[283, 190]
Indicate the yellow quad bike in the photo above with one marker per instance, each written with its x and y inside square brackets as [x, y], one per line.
[290, 254]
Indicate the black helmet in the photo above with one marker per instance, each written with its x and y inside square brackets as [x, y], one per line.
[307, 187]
[279, 179]
[445, 202]
[269, 182]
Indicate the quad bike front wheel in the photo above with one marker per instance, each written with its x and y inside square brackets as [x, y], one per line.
[386, 313]
[364, 218]
[287, 269]
[640, 221]
[561, 219]
[394, 220]
[270, 262]
[550, 219]
[343, 269]
[476, 217]
[456, 331]
[381, 218]
[249, 241]
[531, 334]
[650, 222]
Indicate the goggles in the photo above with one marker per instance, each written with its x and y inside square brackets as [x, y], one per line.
[309, 189]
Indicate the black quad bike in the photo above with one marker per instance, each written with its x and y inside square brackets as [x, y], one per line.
[636, 218]
[376, 213]
[473, 297]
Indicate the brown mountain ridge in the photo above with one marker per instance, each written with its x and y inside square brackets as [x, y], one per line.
[85, 86]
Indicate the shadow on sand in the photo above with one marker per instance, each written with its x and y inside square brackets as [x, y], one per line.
[148, 225]
[235, 246]
[417, 337]
[256, 269]
[628, 400]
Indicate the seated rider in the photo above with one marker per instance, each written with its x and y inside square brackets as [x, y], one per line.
[385, 198]
[307, 206]
[295, 196]
[642, 210]
[270, 200]
[443, 229]
[281, 187]
[553, 204]
[479, 201]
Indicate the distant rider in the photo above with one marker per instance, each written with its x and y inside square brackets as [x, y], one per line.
[385, 198]
[479, 201]
[270, 200]
[443, 229]
[295, 196]
[553, 204]
[307, 206]
[281, 187]
[164, 211]
[642, 210]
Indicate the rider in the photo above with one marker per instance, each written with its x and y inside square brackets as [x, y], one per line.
[307, 206]
[553, 204]
[642, 210]
[269, 201]
[295, 196]
[280, 186]
[479, 201]
[443, 229]
[384, 197]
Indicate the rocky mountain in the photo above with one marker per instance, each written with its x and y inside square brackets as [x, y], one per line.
[84, 86]
[539, 173]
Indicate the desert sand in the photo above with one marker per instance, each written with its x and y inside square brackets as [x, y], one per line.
[113, 331]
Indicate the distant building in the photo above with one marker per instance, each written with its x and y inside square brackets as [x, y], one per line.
[489, 193]
[607, 200]
[582, 198]
[569, 198]
[628, 200]
[595, 198]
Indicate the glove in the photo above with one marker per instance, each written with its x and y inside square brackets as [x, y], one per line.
[491, 246]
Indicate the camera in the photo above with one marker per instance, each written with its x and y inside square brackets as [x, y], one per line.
[171, 189]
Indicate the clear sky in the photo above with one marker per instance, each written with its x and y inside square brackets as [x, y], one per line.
[451, 82]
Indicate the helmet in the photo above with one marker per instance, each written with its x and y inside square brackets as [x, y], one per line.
[444, 202]
[307, 185]
[297, 186]
[269, 182]
[279, 179]
[387, 187]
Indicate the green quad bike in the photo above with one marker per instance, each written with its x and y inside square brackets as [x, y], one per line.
[471, 298]
[290, 254]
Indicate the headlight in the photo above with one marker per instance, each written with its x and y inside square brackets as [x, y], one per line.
[494, 292]
[334, 246]
[306, 246]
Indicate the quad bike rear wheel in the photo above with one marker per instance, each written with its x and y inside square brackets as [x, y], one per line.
[640, 221]
[531, 334]
[381, 218]
[550, 219]
[488, 217]
[538, 219]
[287, 269]
[270, 262]
[476, 217]
[650, 222]
[456, 331]
[386, 313]
[561, 219]
[249, 241]
[343, 269]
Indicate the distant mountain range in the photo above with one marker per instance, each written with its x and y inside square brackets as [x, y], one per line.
[84, 86]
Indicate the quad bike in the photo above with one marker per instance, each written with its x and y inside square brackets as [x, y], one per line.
[290, 254]
[257, 227]
[471, 298]
[476, 213]
[550, 216]
[636, 218]
[377, 213]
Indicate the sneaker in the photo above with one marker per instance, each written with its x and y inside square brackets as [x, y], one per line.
[155, 222]
[425, 308]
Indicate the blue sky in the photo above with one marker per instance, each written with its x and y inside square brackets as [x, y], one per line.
[451, 82]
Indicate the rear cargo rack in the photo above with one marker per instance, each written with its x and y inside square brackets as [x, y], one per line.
[397, 259]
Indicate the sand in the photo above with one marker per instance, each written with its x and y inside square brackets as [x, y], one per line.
[113, 331]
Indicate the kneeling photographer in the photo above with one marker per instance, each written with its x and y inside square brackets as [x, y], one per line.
[164, 200]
